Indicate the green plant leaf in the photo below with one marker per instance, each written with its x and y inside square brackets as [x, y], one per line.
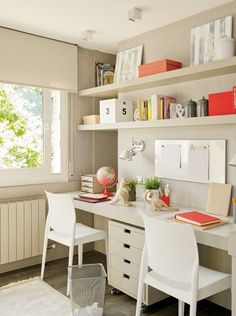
[152, 183]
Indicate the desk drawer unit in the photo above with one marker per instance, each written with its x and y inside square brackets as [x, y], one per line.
[125, 251]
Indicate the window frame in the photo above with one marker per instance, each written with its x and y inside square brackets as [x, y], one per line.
[40, 175]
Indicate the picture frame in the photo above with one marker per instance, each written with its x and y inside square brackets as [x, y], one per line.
[205, 37]
[127, 63]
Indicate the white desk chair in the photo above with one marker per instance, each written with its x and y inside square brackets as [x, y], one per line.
[61, 227]
[171, 253]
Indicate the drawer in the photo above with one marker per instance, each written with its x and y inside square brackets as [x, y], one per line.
[87, 184]
[124, 265]
[125, 251]
[123, 282]
[126, 234]
[89, 178]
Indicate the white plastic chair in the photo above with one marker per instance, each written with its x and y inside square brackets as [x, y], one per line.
[61, 227]
[170, 264]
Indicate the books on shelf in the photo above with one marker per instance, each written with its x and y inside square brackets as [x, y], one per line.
[142, 109]
[197, 218]
[156, 107]
[104, 74]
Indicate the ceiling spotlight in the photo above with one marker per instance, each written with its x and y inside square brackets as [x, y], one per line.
[87, 35]
[136, 146]
[134, 14]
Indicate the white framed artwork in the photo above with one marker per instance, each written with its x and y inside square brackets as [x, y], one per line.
[205, 37]
[127, 63]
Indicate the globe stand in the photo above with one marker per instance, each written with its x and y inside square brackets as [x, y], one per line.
[106, 192]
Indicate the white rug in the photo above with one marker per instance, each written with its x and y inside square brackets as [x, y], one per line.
[32, 297]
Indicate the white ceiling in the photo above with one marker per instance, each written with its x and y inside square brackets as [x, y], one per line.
[66, 19]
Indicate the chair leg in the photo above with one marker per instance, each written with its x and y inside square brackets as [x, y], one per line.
[180, 308]
[193, 309]
[45, 245]
[80, 255]
[71, 253]
[139, 298]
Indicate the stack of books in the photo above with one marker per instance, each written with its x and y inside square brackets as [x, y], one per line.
[104, 74]
[198, 218]
[156, 107]
[91, 198]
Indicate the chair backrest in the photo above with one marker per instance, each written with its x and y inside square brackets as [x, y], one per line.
[171, 248]
[61, 212]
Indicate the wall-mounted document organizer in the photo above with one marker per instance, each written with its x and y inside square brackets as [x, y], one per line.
[191, 160]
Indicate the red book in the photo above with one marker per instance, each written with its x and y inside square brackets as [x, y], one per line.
[197, 218]
[91, 200]
[222, 103]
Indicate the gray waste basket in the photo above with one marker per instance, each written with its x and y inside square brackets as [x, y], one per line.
[87, 289]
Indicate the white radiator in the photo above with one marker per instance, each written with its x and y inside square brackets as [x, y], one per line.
[22, 226]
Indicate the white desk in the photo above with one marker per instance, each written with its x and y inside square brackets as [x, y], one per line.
[221, 237]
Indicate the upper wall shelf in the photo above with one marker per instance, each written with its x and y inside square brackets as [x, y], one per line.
[216, 68]
[194, 121]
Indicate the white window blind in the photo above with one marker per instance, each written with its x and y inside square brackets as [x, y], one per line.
[32, 60]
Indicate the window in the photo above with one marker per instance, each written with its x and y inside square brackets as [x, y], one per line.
[33, 135]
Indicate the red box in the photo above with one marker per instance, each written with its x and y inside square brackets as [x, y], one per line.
[158, 66]
[222, 103]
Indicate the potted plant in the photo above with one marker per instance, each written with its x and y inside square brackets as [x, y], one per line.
[151, 185]
[132, 189]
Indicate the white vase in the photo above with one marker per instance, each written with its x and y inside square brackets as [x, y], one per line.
[224, 48]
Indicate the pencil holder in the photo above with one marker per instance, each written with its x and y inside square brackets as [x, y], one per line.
[165, 199]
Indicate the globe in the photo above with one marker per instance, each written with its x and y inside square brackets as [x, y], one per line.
[107, 177]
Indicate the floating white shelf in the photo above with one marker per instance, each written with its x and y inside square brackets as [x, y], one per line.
[216, 68]
[195, 121]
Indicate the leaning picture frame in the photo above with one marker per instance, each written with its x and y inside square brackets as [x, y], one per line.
[127, 63]
[204, 39]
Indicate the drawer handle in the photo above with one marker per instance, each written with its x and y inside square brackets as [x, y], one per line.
[127, 261]
[126, 276]
[127, 231]
[126, 246]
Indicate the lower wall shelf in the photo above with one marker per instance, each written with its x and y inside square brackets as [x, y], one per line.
[195, 121]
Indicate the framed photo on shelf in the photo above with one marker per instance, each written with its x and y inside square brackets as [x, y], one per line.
[204, 38]
[127, 63]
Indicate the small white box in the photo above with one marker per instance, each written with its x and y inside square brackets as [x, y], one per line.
[115, 110]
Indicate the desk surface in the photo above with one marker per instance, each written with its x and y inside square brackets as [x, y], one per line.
[215, 237]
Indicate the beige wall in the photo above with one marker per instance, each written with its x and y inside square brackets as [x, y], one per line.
[185, 193]
[173, 42]
[103, 145]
